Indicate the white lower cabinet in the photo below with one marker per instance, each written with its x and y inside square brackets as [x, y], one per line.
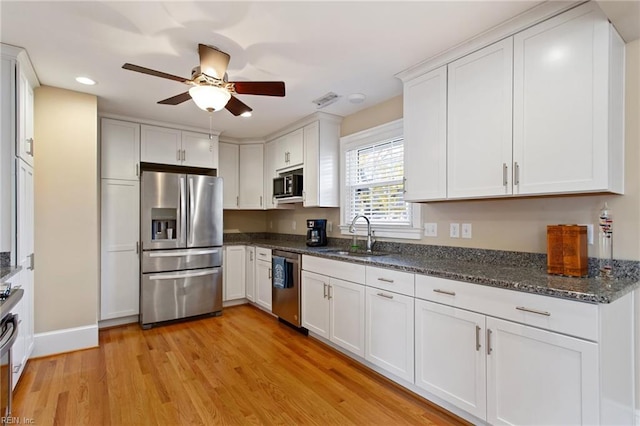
[23, 346]
[119, 269]
[450, 356]
[389, 332]
[234, 273]
[250, 273]
[263, 278]
[539, 377]
[334, 309]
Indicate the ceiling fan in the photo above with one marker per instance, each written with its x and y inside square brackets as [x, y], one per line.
[211, 90]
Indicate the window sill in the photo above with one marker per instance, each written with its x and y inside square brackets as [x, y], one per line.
[381, 231]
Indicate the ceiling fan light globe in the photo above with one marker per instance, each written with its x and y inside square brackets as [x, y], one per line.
[210, 98]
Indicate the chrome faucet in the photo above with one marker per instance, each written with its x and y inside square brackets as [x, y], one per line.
[370, 239]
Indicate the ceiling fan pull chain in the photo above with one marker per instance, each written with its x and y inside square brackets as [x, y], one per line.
[210, 125]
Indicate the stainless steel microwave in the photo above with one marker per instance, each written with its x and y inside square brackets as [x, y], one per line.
[289, 185]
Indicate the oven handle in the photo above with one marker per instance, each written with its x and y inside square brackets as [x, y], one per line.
[11, 333]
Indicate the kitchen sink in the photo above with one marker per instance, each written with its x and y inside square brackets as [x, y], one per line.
[358, 253]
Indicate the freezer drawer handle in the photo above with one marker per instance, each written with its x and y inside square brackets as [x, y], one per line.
[183, 253]
[180, 276]
[533, 311]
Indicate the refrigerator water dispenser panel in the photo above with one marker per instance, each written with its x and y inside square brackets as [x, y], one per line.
[163, 223]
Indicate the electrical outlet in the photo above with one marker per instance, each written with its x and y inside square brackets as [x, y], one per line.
[293, 225]
[329, 226]
[466, 230]
[430, 229]
[589, 232]
[454, 230]
[270, 224]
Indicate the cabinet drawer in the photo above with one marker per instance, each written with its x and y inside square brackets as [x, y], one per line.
[263, 254]
[334, 268]
[564, 316]
[391, 280]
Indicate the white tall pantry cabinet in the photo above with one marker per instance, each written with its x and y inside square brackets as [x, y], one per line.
[18, 81]
[120, 222]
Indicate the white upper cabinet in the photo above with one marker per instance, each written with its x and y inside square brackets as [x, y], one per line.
[25, 143]
[321, 158]
[289, 151]
[539, 112]
[120, 149]
[425, 136]
[228, 170]
[200, 150]
[163, 145]
[479, 122]
[270, 149]
[568, 105]
[251, 175]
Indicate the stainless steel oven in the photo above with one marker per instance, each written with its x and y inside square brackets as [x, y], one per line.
[8, 335]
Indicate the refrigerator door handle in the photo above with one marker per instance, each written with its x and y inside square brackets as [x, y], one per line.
[183, 253]
[183, 211]
[192, 209]
[197, 273]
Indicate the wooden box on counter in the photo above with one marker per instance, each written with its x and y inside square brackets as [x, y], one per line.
[567, 250]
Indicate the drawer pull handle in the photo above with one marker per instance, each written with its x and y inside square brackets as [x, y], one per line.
[450, 293]
[533, 311]
[478, 345]
[385, 280]
[387, 296]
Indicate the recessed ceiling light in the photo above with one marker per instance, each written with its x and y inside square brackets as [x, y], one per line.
[356, 98]
[85, 80]
[246, 114]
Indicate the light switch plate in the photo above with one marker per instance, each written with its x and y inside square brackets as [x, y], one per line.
[329, 226]
[466, 230]
[430, 229]
[454, 230]
[293, 225]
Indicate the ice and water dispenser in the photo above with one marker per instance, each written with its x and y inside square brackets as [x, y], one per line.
[163, 223]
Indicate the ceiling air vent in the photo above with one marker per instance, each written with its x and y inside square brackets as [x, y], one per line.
[325, 100]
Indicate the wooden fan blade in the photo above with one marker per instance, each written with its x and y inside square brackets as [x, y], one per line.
[177, 99]
[149, 71]
[265, 88]
[236, 106]
[213, 62]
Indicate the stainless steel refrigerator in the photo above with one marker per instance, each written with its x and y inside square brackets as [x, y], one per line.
[181, 234]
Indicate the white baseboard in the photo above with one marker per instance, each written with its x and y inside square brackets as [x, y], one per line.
[66, 340]
[115, 322]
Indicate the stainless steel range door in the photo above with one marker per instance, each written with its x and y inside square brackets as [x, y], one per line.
[180, 294]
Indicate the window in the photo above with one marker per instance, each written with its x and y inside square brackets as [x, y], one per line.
[372, 177]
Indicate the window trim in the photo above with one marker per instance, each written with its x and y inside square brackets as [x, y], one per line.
[390, 130]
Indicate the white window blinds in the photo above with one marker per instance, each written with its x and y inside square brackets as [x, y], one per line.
[374, 183]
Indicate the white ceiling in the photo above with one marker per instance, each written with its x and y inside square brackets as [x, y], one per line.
[314, 47]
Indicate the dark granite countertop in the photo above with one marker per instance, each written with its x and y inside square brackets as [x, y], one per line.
[7, 272]
[526, 274]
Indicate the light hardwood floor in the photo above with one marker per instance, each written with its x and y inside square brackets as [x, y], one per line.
[241, 368]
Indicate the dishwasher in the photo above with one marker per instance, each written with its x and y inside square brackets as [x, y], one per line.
[285, 286]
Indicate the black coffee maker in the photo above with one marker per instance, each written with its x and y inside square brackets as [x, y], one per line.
[316, 232]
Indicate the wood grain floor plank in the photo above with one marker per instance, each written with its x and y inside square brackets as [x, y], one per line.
[243, 368]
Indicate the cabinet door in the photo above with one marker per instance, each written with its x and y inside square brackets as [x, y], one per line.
[160, 145]
[539, 377]
[263, 284]
[25, 142]
[251, 177]
[250, 273]
[347, 315]
[450, 355]
[425, 136]
[290, 150]
[561, 104]
[479, 123]
[270, 150]
[234, 273]
[18, 350]
[389, 332]
[315, 303]
[199, 150]
[311, 173]
[120, 149]
[119, 275]
[228, 170]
